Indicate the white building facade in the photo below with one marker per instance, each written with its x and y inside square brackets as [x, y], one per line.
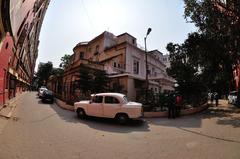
[125, 63]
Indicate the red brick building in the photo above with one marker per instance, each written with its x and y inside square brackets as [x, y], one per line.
[231, 9]
[20, 24]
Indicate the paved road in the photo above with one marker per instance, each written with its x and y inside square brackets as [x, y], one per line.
[45, 131]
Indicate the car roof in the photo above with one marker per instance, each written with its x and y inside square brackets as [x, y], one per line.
[109, 94]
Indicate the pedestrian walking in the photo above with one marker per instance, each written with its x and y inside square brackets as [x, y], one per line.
[216, 97]
[178, 104]
[171, 106]
[212, 98]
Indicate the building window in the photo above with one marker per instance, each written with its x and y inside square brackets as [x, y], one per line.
[7, 79]
[133, 41]
[114, 64]
[6, 46]
[149, 71]
[97, 48]
[135, 66]
[153, 71]
[81, 55]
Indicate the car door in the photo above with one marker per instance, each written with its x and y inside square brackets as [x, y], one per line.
[95, 108]
[111, 106]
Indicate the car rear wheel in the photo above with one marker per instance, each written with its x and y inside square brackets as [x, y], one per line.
[81, 113]
[122, 118]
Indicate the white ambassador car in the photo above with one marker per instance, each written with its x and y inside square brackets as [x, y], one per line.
[232, 97]
[40, 91]
[109, 105]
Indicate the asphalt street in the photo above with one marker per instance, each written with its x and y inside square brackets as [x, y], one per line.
[45, 131]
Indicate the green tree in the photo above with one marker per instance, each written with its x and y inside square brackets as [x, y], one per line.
[186, 74]
[100, 81]
[65, 61]
[44, 72]
[219, 26]
[92, 80]
[86, 80]
[207, 57]
[57, 71]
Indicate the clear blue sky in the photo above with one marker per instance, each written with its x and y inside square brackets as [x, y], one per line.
[68, 22]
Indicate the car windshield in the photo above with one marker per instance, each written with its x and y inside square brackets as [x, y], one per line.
[43, 89]
[48, 92]
[125, 99]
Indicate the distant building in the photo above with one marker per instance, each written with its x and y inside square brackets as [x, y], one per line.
[166, 60]
[124, 63]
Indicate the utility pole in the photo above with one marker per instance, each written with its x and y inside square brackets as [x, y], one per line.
[146, 58]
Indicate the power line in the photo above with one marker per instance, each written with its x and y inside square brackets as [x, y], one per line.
[89, 19]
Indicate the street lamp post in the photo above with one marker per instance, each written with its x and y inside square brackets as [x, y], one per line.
[146, 58]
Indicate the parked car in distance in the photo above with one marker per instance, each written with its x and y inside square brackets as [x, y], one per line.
[232, 97]
[47, 96]
[109, 105]
[40, 91]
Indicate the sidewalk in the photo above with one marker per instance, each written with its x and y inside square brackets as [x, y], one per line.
[63, 105]
[7, 109]
[224, 106]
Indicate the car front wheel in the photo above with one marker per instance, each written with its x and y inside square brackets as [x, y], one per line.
[122, 118]
[81, 113]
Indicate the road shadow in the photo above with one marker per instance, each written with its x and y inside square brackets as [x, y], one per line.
[47, 103]
[225, 115]
[110, 125]
[190, 121]
[103, 124]
[233, 121]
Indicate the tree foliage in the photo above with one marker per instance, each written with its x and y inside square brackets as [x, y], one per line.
[57, 71]
[218, 21]
[45, 70]
[85, 81]
[43, 73]
[100, 81]
[206, 58]
[92, 80]
[65, 61]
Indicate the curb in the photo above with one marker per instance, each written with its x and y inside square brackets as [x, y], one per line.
[63, 105]
[183, 112]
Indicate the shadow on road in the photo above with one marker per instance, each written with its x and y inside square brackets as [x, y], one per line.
[223, 115]
[191, 121]
[104, 124]
[110, 125]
